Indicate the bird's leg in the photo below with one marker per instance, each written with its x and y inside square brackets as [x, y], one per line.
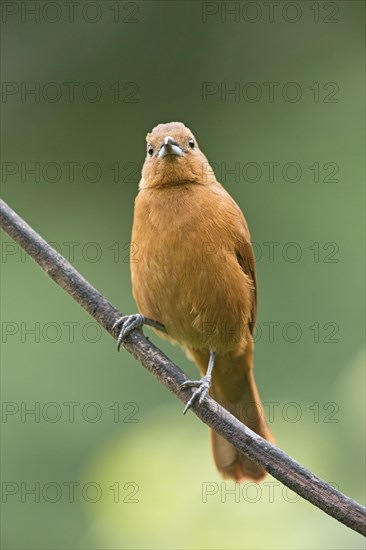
[202, 385]
[128, 323]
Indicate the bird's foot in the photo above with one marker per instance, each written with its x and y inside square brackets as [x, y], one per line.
[128, 323]
[202, 386]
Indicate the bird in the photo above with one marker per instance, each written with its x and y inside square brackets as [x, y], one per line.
[194, 275]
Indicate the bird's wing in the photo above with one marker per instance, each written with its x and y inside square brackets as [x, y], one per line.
[245, 256]
[242, 244]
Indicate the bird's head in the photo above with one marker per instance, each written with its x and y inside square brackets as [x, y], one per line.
[173, 157]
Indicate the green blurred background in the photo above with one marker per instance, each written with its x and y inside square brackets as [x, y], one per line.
[125, 469]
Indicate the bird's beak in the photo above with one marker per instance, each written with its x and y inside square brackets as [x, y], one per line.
[170, 147]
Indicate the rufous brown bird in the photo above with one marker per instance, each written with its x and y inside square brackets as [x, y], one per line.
[195, 274]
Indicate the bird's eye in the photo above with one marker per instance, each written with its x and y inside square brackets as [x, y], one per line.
[191, 143]
[150, 151]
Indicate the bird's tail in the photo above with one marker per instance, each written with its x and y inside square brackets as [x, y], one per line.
[234, 387]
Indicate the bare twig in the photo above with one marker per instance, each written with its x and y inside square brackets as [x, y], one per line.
[276, 462]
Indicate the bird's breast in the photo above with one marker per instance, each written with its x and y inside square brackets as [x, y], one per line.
[186, 274]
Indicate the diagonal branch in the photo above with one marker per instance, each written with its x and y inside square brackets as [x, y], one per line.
[276, 462]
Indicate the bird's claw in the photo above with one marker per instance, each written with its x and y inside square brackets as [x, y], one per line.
[128, 323]
[202, 386]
